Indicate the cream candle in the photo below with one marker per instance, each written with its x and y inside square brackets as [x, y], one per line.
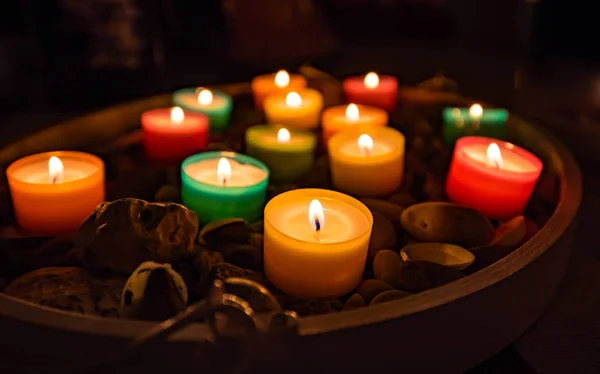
[369, 164]
[352, 116]
[295, 109]
[316, 242]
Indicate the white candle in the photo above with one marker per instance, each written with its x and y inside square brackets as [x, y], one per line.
[241, 175]
[39, 171]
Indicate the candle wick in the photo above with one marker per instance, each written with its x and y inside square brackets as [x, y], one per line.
[55, 179]
[366, 151]
[317, 225]
[223, 181]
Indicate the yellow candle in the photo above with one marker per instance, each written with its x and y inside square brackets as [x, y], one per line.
[295, 109]
[369, 164]
[279, 83]
[342, 117]
[316, 242]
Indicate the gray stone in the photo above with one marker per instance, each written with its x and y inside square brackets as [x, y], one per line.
[383, 235]
[387, 266]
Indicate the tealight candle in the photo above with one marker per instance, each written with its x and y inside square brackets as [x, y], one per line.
[295, 109]
[219, 185]
[280, 83]
[321, 256]
[459, 122]
[359, 117]
[375, 90]
[172, 134]
[370, 164]
[216, 105]
[287, 153]
[495, 177]
[54, 192]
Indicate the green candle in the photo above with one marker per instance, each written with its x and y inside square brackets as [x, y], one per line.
[289, 154]
[459, 122]
[219, 185]
[215, 104]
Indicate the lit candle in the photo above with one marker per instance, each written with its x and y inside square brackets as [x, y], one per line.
[218, 185]
[55, 192]
[319, 257]
[492, 176]
[352, 116]
[287, 153]
[216, 105]
[370, 164]
[371, 89]
[295, 109]
[280, 83]
[172, 134]
[459, 122]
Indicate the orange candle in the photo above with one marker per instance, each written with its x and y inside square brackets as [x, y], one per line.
[280, 83]
[356, 117]
[54, 192]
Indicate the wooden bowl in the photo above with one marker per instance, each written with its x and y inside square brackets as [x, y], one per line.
[447, 329]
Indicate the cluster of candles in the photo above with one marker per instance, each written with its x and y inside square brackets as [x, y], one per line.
[315, 240]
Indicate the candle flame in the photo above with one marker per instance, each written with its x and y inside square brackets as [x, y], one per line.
[177, 115]
[352, 112]
[283, 136]
[371, 80]
[494, 156]
[205, 97]
[293, 100]
[316, 216]
[476, 110]
[56, 170]
[282, 79]
[223, 171]
[365, 143]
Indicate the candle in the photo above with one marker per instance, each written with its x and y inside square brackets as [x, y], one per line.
[280, 83]
[295, 109]
[287, 153]
[216, 105]
[492, 176]
[320, 256]
[354, 116]
[375, 90]
[219, 185]
[54, 192]
[459, 122]
[370, 164]
[172, 134]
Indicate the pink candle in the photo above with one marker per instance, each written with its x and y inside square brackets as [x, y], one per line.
[172, 134]
[492, 176]
[372, 89]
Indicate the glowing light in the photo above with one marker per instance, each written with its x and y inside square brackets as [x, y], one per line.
[282, 79]
[223, 171]
[177, 115]
[205, 97]
[56, 170]
[371, 80]
[494, 155]
[316, 216]
[283, 136]
[476, 110]
[365, 144]
[293, 100]
[352, 112]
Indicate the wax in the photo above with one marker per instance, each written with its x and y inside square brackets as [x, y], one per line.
[299, 110]
[58, 200]
[373, 168]
[216, 105]
[289, 154]
[307, 263]
[496, 180]
[172, 134]
[380, 91]
[344, 117]
[278, 83]
[459, 122]
[241, 196]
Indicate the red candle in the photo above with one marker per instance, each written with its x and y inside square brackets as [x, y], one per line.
[172, 134]
[373, 90]
[492, 176]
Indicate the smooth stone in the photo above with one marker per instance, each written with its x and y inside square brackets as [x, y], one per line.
[389, 209]
[354, 302]
[256, 239]
[206, 259]
[167, 194]
[307, 307]
[404, 199]
[246, 256]
[231, 230]
[418, 276]
[444, 254]
[383, 235]
[390, 295]
[447, 223]
[370, 288]
[122, 234]
[511, 233]
[55, 252]
[258, 226]
[387, 266]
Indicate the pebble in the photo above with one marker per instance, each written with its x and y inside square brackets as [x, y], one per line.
[258, 226]
[354, 302]
[246, 256]
[419, 276]
[370, 288]
[447, 223]
[308, 307]
[167, 194]
[511, 233]
[206, 259]
[383, 235]
[444, 254]
[224, 270]
[387, 266]
[230, 230]
[404, 199]
[54, 252]
[390, 295]
[388, 209]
